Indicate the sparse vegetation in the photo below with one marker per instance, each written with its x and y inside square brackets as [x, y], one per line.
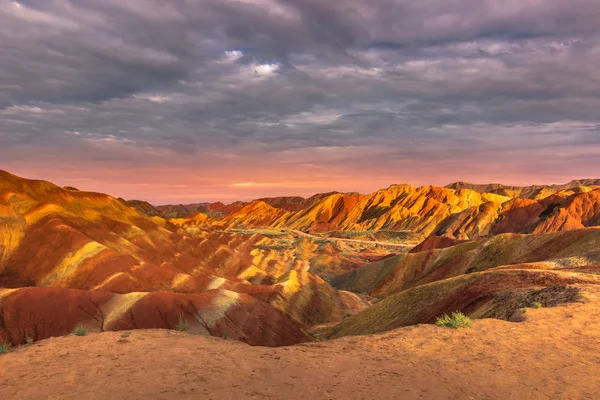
[377, 235]
[80, 331]
[225, 335]
[182, 324]
[455, 321]
[512, 305]
[274, 246]
[349, 234]
[29, 340]
[264, 232]
[5, 348]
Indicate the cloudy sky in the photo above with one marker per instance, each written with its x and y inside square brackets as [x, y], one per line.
[191, 100]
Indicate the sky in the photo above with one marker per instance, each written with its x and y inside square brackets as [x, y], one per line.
[185, 101]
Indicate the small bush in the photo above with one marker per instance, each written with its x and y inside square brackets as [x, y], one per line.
[537, 304]
[80, 331]
[225, 335]
[5, 348]
[29, 341]
[457, 320]
[182, 324]
[524, 310]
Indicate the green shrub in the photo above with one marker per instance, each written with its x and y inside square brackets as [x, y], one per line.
[524, 310]
[182, 324]
[80, 331]
[537, 304]
[455, 321]
[5, 348]
[225, 335]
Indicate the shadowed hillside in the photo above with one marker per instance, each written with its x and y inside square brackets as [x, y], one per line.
[569, 250]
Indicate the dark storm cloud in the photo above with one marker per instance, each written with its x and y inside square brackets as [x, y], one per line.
[136, 82]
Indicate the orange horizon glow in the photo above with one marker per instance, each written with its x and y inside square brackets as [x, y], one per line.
[174, 186]
[224, 101]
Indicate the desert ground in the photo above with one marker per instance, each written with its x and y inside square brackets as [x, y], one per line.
[553, 354]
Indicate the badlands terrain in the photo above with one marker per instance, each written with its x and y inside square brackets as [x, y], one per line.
[333, 296]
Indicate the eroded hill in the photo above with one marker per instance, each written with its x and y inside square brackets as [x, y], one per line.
[51, 237]
[459, 211]
[270, 271]
[455, 213]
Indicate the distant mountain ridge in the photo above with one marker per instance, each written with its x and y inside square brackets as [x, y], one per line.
[529, 192]
[297, 203]
[459, 211]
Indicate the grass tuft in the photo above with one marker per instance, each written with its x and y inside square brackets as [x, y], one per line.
[225, 335]
[182, 324]
[5, 348]
[80, 331]
[455, 321]
[537, 304]
[524, 310]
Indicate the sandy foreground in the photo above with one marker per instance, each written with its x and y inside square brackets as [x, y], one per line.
[555, 354]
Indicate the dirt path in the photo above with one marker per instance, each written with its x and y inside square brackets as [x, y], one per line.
[353, 240]
[555, 354]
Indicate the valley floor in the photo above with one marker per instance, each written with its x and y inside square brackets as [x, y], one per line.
[554, 354]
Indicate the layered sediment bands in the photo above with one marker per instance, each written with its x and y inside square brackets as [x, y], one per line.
[518, 215]
[576, 248]
[59, 238]
[456, 213]
[309, 300]
[529, 192]
[576, 211]
[38, 313]
[69, 257]
[400, 207]
[471, 294]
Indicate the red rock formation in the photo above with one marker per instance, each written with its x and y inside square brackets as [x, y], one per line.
[461, 211]
[527, 192]
[60, 238]
[69, 239]
[517, 216]
[576, 211]
[38, 313]
[554, 250]
[472, 294]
